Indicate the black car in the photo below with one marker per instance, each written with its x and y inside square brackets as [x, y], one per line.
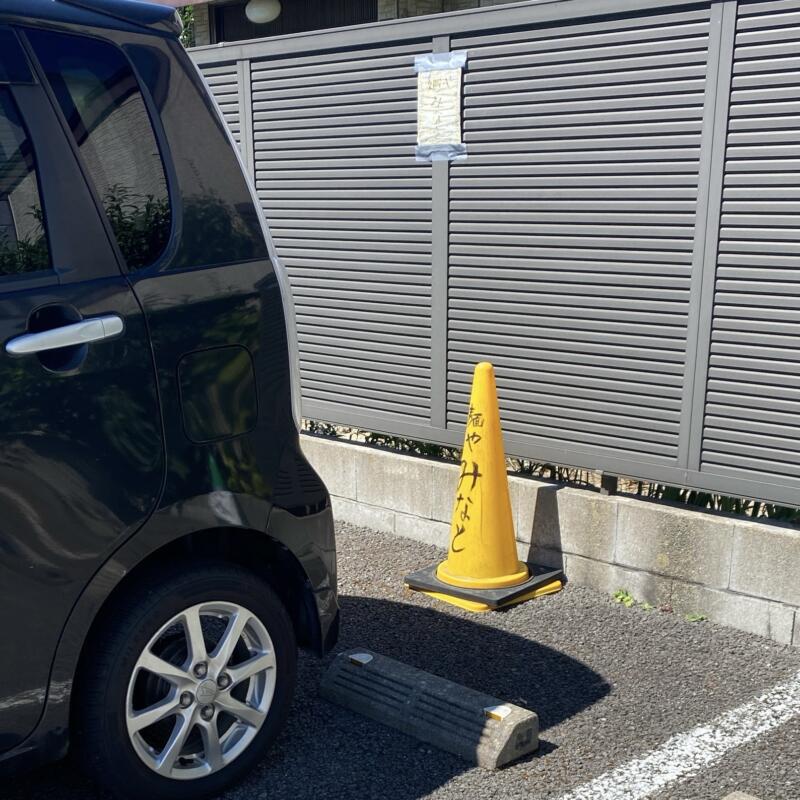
[164, 544]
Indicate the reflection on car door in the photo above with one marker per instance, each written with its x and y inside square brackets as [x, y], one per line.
[81, 454]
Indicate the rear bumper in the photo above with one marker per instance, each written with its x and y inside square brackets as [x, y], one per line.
[312, 541]
[333, 635]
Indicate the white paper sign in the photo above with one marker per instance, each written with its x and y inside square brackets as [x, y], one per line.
[439, 78]
[439, 107]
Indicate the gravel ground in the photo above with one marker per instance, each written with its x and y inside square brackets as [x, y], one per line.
[608, 683]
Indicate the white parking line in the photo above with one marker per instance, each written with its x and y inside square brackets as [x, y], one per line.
[685, 754]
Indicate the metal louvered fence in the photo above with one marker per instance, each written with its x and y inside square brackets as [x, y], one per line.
[622, 242]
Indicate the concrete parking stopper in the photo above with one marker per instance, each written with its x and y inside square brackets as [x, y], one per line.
[476, 726]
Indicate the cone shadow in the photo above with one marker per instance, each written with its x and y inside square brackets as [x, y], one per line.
[543, 530]
[485, 658]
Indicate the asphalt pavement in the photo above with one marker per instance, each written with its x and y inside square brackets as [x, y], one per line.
[609, 683]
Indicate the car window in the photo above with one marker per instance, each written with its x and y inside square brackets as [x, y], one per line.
[220, 223]
[23, 241]
[13, 64]
[99, 95]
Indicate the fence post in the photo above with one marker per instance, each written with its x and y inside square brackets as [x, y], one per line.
[609, 484]
[709, 202]
[245, 84]
[440, 224]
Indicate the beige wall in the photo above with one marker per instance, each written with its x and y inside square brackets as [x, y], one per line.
[202, 27]
[394, 9]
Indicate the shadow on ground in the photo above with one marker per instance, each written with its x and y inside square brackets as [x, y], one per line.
[329, 752]
[473, 653]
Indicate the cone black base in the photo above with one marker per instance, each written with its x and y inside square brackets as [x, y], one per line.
[541, 577]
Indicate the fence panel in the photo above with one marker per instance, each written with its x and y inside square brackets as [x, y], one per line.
[351, 219]
[752, 416]
[620, 242]
[573, 225]
[223, 81]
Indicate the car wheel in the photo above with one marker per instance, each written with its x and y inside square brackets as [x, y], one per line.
[186, 684]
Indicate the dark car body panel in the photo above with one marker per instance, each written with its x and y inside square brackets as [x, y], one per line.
[81, 453]
[117, 455]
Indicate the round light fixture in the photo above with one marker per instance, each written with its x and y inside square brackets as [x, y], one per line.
[263, 11]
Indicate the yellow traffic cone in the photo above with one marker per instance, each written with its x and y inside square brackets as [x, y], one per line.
[482, 571]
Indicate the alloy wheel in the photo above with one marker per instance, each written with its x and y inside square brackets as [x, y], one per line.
[200, 690]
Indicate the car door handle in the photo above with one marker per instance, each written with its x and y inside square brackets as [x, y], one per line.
[86, 331]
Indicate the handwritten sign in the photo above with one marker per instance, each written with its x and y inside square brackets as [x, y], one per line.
[439, 107]
[467, 481]
[439, 79]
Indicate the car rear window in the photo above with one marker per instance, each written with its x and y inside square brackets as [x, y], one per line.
[220, 223]
[23, 242]
[100, 98]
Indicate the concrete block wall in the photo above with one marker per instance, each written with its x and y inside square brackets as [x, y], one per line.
[738, 573]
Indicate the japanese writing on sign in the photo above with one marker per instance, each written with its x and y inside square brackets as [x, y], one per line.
[439, 78]
[439, 107]
[468, 480]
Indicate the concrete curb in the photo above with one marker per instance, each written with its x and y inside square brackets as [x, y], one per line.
[736, 572]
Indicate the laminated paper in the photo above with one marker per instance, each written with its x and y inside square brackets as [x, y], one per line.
[439, 78]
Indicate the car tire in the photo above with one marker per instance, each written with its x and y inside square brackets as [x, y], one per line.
[147, 657]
